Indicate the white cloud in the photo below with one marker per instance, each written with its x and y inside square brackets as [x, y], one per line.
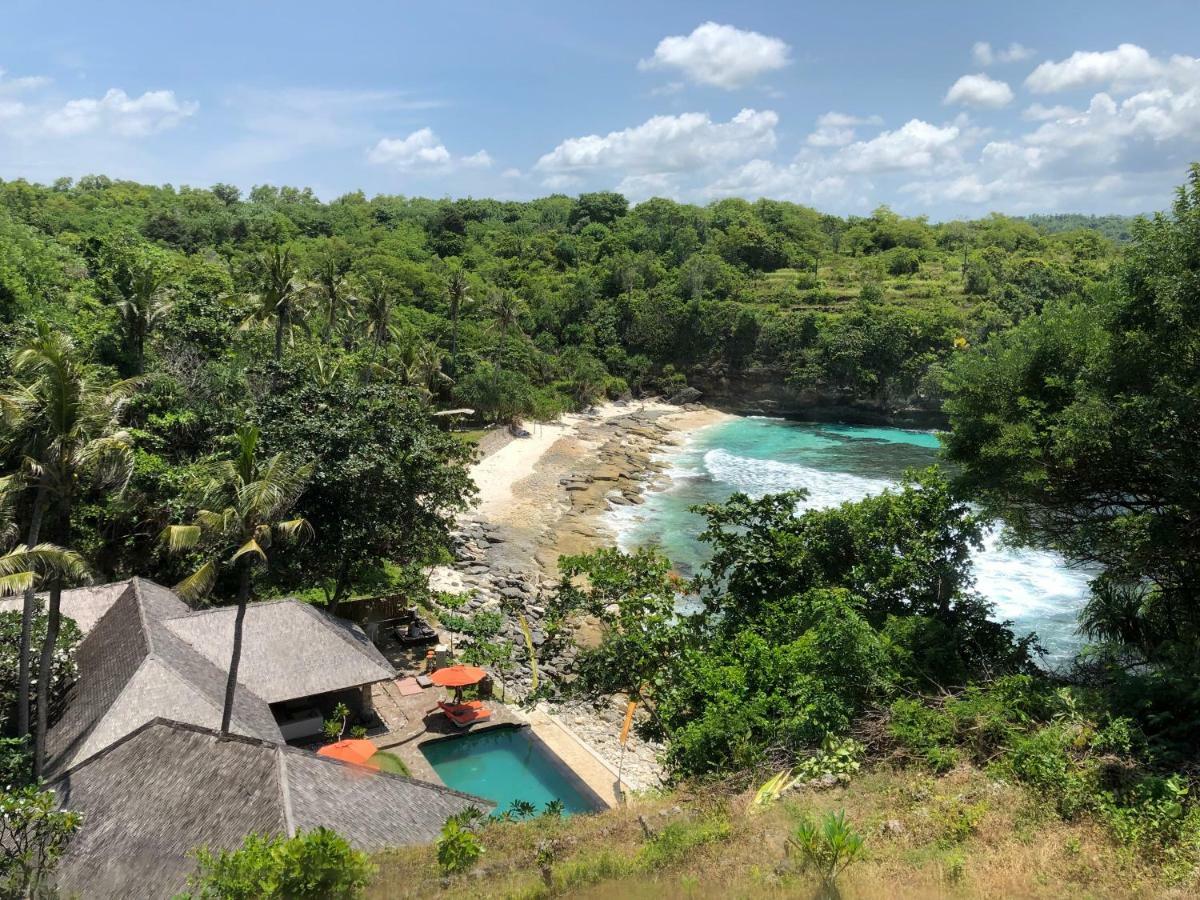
[985, 55]
[1128, 64]
[917, 144]
[667, 144]
[511, 173]
[1036, 112]
[120, 114]
[720, 55]
[423, 150]
[24, 83]
[979, 90]
[835, 129]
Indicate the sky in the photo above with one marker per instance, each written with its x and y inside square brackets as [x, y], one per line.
[941, 109]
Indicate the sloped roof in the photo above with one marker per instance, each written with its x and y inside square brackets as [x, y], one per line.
[84, 605]
[152, 797]
[289, 649]
[133, 669]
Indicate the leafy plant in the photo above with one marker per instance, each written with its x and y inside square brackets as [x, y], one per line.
[33, 836]
[458, 848]
[828, 847]
[313, 865]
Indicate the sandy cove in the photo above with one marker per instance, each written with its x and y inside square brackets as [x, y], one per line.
[544, 496]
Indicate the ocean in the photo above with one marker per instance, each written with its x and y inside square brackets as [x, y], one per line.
[1036, 591]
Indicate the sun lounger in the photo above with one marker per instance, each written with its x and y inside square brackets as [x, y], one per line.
[465, 714]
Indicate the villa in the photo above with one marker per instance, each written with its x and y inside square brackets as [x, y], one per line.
[152, 797]
[147, 655]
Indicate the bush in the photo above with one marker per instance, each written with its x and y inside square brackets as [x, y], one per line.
[828, 847]
[317, 864]
[33, 835]
[902, 261]
[458, 848]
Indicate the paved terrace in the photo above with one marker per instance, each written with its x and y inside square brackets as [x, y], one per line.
[412, 720]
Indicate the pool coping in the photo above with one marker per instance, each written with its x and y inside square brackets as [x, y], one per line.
[571, 774]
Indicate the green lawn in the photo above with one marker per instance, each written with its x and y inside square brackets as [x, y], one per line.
[390, 762]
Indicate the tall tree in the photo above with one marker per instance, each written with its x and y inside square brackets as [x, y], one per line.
[1081, 427]
[250, 499]
[277, 291]
[330, 284]
[458, 294]
[506, 312]
[145, 302]
[64, 421]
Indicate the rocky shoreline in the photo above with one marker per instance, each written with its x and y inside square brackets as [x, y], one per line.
[508, 563]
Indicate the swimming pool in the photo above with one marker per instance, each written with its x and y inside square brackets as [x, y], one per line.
[504, 764]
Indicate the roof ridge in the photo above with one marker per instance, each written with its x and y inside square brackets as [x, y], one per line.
[333, 623]
[289, 822]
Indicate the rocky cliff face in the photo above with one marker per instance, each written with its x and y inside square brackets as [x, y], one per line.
[762, 393]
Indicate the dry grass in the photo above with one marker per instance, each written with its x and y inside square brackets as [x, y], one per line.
[962, 835]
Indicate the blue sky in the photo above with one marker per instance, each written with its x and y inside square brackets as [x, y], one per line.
[1070, 106]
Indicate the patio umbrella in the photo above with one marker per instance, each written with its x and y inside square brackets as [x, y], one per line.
[355, 751]
[458, 677]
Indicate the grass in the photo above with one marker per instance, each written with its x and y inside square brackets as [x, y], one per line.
[391, 763]
[963, 834]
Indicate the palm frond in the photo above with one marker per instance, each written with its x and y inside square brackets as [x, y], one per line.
[250, 548]
[181, 537]
[295, 530]
[199, 583]
[17, 583]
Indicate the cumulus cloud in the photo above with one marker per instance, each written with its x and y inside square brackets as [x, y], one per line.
[917, 144]
[9, 85]
[1128, 64]
[835, 129]
[120, 114]
[1037, 112]
[662, 144]
[985, 55]
[720, 55]
[979, 90]
[423, 150]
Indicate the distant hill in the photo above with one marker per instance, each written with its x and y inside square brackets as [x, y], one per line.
[1115, 228]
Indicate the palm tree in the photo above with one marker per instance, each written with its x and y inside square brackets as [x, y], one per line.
[421, 366]
[240, 533]
[278, 292]
[458, 294]
[332, 289]
[377, 309]
[143, 307]
[506, 316]
[22, 567]
[65, 425]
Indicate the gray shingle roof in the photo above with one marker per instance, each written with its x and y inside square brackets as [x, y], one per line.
[150, 655]
[290, 649]
[133, 669]
[152, 797]
[84, 605]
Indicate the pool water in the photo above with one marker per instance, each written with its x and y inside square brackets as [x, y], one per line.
[505, 764]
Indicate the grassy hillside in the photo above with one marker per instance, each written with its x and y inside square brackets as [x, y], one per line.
[964, 834]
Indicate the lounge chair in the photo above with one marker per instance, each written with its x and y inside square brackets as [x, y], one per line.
[465, 714]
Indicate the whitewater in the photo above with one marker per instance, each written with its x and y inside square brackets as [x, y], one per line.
[1036, 591]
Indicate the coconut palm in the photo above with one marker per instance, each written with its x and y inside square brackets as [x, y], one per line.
[144, 307]
[278, 293]
[23, 567]
[331, 288]
[64, 424]
[506, 317]
[376, 309]
[250, 498]
[458, 294]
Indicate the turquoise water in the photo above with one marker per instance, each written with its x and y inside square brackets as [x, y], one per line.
[502, 765]
[1036, 591]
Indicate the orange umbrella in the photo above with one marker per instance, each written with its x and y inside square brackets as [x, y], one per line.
[355, 751]
[458, 676]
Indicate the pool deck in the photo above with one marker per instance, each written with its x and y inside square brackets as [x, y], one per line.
[415, 719]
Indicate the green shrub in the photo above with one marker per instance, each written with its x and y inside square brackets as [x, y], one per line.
[458, 848]
[317, 864]
[677, 839]
[829, 847]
